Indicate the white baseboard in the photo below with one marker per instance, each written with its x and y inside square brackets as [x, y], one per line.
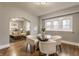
[4, 46]
[71, 43]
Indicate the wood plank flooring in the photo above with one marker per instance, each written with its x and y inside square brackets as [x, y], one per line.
[19, 49]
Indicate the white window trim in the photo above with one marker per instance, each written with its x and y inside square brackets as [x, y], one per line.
[61, 29]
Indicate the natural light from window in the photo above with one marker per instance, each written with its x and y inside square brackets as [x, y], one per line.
[59, 24]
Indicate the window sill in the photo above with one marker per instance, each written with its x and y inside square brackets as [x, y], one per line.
[60, 30]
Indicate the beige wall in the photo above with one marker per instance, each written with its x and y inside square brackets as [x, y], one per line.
[9, 12]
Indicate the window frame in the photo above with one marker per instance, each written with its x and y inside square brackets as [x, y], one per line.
[60, 19]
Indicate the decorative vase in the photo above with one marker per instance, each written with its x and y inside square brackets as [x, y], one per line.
[43, 35]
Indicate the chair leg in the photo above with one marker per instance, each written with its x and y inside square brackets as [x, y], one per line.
[60, 48]
[28, 47]
[56, 48]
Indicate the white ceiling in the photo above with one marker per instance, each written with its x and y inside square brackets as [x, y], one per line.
[38, 10]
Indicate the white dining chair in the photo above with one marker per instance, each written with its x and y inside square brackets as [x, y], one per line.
[58, 38]
[31, 41]
[47, 47]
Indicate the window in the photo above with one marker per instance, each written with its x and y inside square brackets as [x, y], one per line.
[59, 24]
[48, 25]
[55, 24]
[66, 24]
[28, 26]
[13, 25]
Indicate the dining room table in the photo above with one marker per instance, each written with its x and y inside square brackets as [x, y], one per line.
[34, 41]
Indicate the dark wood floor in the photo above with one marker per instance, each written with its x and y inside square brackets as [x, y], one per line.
[19, 49]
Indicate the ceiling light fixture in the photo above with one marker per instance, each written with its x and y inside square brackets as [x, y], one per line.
[41, 4]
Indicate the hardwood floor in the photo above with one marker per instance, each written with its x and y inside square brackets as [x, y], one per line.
[19, 49]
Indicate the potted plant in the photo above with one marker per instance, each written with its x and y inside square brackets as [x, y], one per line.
[43, 33]
[43, 29]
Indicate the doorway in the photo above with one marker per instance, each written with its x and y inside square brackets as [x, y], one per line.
[19, 28]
